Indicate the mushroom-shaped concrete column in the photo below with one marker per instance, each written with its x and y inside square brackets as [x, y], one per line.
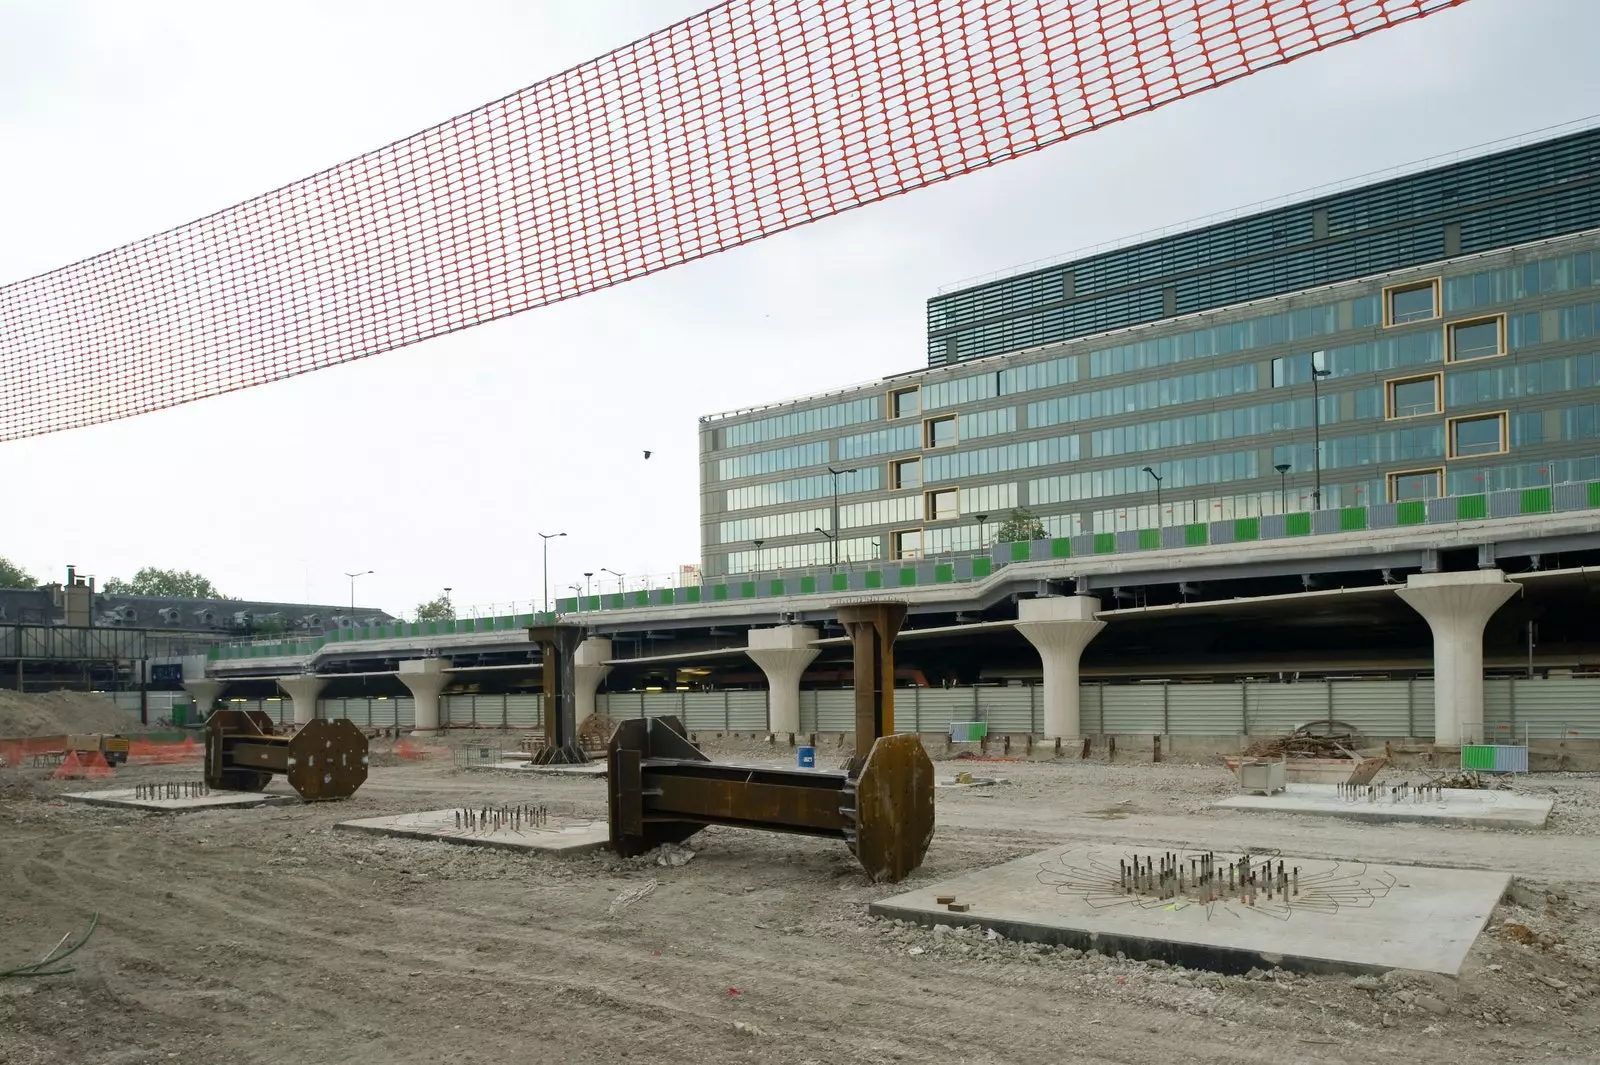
[205, 693]
[589, 668]
[1457, 606]
[783, 654]
[303, 690]
[426, 678]
[1060, 627]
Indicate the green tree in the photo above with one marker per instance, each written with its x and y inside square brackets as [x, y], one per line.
[152, 580]
[14, 576]
[268, 627]
[440, 609]
[1022, 525]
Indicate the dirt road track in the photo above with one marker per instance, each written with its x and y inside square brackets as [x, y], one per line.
[266, 936]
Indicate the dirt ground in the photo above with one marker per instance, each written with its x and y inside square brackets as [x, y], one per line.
[266, 936]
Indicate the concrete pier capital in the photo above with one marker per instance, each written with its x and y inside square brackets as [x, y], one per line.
[1060, 627]
[303, 689]
[205, 693]
[589, 668]
[1456, 607]
[783, 653]
[426, 678]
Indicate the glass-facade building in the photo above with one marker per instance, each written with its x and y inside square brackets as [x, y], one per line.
[1428, 335]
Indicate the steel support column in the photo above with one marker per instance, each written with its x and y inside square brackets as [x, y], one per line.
[558, 648]
[872, 628]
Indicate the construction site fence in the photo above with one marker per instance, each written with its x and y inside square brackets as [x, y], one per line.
[1514, 709]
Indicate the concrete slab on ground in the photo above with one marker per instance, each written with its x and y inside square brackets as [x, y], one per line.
[1347, 917]
[556, 836]
[126, 799]
[523, 766]
[1488, 809]
[585, 769]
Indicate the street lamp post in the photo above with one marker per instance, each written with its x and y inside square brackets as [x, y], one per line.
[826, 535]
[1160, 521]
[834, 539]
[353, 576]
[547, 537]
[1283, 487]
[586, 576]
[1316, 428]
[621, 586]
[757, 567]
[980, 518]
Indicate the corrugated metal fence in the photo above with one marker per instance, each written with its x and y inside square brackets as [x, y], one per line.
[1513, 709]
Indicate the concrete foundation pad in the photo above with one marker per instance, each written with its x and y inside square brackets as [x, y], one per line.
[556, 836]
[523, 766]
[1347, 917]
[1489, 809]
[124, 798]
[584, 769]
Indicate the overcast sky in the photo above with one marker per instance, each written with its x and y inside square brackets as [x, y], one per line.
[435, 466]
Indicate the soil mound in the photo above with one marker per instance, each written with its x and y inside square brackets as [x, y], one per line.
[61, 712]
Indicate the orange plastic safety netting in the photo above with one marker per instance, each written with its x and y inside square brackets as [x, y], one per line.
[743, 121]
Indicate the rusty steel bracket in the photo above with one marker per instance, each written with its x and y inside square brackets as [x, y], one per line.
[558, 645]
[323, 759]
[663, 789]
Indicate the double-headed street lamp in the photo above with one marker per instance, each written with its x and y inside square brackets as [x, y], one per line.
[353, 576]
[834, 539]
[547, 537]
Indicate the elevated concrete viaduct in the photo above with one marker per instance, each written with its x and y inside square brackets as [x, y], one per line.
[1444, 600]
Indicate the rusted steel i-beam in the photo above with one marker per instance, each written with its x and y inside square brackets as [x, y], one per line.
[872, 628]
[663, 789]
[323, 759]
[558, 645]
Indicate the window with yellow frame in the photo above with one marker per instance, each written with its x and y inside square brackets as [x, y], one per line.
[1476, 338]
[1416, 301]
[1416, 484]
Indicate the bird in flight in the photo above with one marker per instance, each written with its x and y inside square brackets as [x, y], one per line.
[647, 454]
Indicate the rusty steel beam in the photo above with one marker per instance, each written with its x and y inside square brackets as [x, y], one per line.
[663, 789]
[323, 759]
[558, 644]
[872, 628]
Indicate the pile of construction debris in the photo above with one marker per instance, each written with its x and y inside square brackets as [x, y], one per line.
[1303, 745]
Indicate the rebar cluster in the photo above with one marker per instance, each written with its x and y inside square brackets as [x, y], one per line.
[495, 818]
[178, 789]
[1394, 793]
[1204, 880]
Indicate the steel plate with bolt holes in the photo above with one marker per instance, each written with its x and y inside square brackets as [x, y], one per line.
[894, 804]
[327, 759]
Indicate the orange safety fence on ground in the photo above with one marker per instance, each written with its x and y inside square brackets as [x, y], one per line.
[18, 753]
[95, 767]
[151, 752]
[91, 768]
[416, 752]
